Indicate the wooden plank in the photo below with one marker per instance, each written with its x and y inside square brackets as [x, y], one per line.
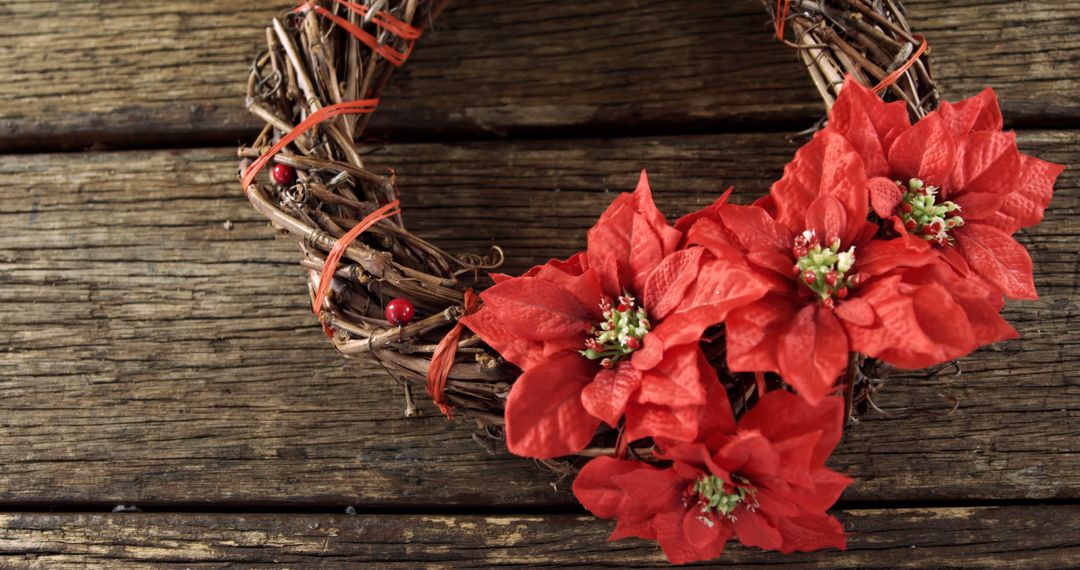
[152, 356]
[984, 537]
[147, 72]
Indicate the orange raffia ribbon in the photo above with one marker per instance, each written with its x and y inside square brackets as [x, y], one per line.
[898, 72]
[382, 19]
[334, 257]
[347, 108]
[443, 358]
[782, 7]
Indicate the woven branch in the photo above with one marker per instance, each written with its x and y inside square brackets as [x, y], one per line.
[311, 63]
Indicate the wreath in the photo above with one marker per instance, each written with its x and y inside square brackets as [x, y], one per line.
[694, 376]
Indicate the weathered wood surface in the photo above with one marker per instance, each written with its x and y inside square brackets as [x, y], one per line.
[986, 537]
[173, 73]
[152, 356]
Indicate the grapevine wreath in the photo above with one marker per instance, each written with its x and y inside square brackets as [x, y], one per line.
[696, 376]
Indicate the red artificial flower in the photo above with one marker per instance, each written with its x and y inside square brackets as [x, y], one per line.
[953, 180]
[763, 481]
[835, 289]
[612, 331]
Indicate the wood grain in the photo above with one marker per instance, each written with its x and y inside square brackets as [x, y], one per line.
[172, 74]
[987, 537]
[152, 356]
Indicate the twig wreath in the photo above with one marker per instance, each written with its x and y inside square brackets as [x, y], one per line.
[694, 376]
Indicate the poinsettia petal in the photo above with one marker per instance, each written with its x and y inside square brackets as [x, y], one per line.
[626, 529]
[797, 463]
[753, 529]
[1024, 206]
[676, 381]
[774, 505]
[653, 490]
[919, 325]
[813, 352]
[926, 151]
[534, 309]
[520, 351]
[661, 422]
[987, 162]
[706, 532]
[689, 460]
[781, 415]
[826, 165]
[755, 228]
[880, 256]
[828, 486]
[715, 237]
[597, 492]
[980, 301]
[668, 283]
[750, 454]
[826, 218]
[856, 311]
[718, 287]
[978, 205]
[998, 258]
[955, 258]
[778, 266]
[987, 323]
[718, 416]
[669, 533]
[868, 123]
[885, 196]
[811, 532]
[544, 414]
[978, 113]
[574, 265]
[754, 331]
[630, 239]
[712, 211]
[606, 396]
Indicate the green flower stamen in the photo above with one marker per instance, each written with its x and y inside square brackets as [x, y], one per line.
[621, 332]
[826, 271]
[924, 216]
[712, 495]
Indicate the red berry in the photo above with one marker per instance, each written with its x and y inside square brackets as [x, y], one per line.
[607, 363]
[905, 208]
[633, 343]
[809, 277]
[842, 293]
[283, 174]
[400, 312]
[830, 278]
[911, 225]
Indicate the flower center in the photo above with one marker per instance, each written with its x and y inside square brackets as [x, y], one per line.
[824, 270]
[923, 216]
[713, 494]
[620, 333]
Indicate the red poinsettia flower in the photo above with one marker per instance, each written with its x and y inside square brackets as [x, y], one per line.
[612, 332]
[763, 481]
[953, 180]
[835, 289]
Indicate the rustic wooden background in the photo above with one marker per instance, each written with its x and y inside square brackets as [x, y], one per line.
[156, 348]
